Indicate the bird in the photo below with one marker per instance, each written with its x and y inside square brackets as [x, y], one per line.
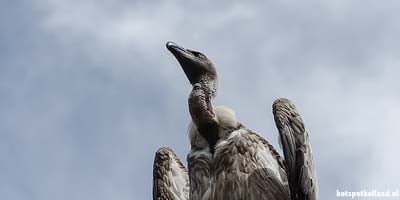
[227, 160]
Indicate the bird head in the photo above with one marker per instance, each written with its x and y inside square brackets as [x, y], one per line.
[197, 67]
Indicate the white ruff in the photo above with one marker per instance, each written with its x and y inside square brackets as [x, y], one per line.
[226, 119]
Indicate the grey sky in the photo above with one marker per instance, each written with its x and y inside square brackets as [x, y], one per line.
[88, 91]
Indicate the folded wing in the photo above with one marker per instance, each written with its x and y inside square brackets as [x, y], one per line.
[170, 178]
[297, 151]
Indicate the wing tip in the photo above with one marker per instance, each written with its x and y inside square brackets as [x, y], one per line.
[164, 154]
[164, 151]
[282, 103]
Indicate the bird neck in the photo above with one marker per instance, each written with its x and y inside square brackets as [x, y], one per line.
[209, 85]
[202, 111]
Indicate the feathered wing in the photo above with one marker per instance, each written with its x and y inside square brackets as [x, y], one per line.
[199, 164]
[170, 178]
[297, 151]
[268, 183]
[247, 167]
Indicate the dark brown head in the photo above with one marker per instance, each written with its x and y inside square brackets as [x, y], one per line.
[197, 67]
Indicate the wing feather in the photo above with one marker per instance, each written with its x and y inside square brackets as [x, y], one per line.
[246, 166]
[297, 151]
[264, 185]
[170, 178]
[199, 164]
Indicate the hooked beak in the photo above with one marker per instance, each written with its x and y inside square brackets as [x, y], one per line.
[189, 63]
[177, 50]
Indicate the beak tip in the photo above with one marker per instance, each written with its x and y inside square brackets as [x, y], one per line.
[170, 44]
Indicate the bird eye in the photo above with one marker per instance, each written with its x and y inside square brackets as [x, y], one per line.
[198, 54]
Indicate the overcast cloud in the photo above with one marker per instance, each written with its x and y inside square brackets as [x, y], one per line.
[88, 91]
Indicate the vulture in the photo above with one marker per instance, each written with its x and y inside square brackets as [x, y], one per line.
[227, 160]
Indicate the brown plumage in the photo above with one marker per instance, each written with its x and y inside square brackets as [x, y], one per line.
[227, 161]
[170, 177]
[297, 150]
